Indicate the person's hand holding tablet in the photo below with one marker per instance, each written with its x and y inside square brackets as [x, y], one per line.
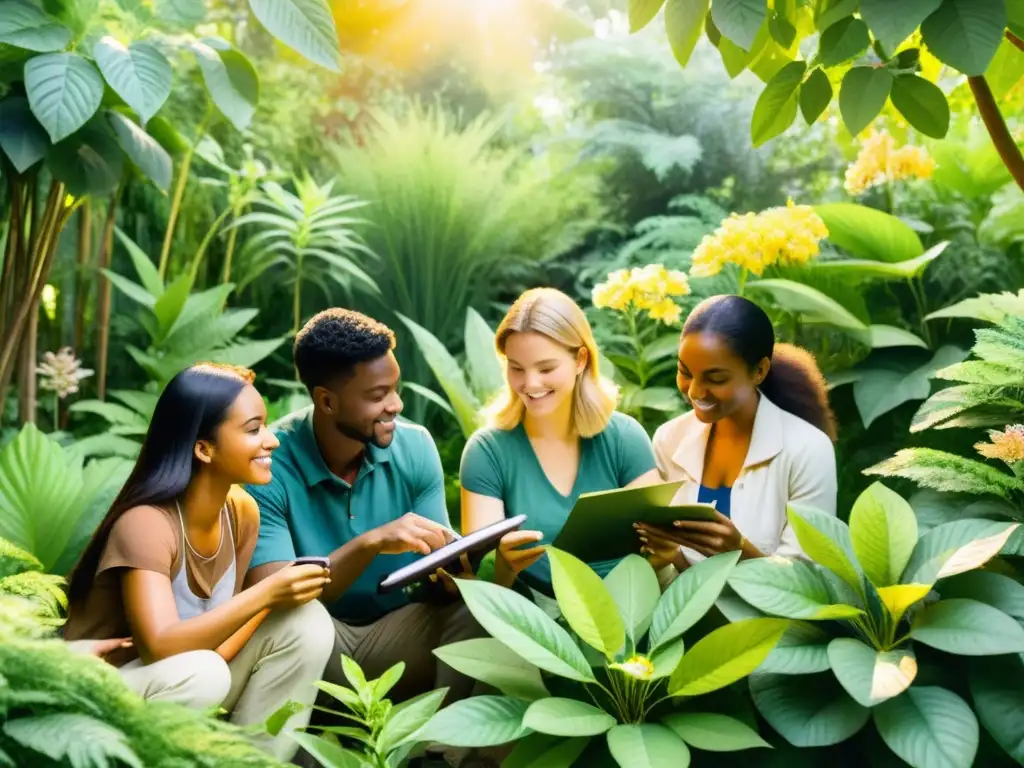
[511, 560]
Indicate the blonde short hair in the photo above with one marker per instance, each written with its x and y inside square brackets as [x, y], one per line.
[553, 314]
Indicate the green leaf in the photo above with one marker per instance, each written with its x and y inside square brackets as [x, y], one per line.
[871, 676]
[586, 604]
[139, 74]
[567, 717]
[133, 291]
[328, 753]
[884, 531]
[740, 20]
[997, 690]
[538, 750]
[802, 650]
[525, 629]
[787, 587]
[306, 26]
[968, 628]
[826, 540]
[23, 25]
[666, 658]
[993, 589]
[807, 710]
[231, 81]
[647, 746]
[642, 12]
[868, 233]
[965, 34]
[449, 374]
[892, 23]
[78, 739]
[689, 597]
[846, 39]
[726, 655]
[808, 303]
[885, 336]
[142, 149]
[491, 662]
[64, 91]
[923, 104]
[89, 161]
[144, 267]
[953, 548]
[1006, 69]
[480, 721]
[775, 109]
[861, 270]
[815, 95]
[22, 138]
[713, 732]
[684, 21]
[633, 585]
[862, 95]
[181, 13]
[408, 717]
[169, 307]
[929, 728]
[482, 361]
[946, 472]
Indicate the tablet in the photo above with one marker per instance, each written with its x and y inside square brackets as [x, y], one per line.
[483, 540]
[600, 526]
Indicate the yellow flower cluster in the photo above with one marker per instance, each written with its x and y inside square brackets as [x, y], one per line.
[1007, 445]
[649, 288]
[755, 241]
[880, 162]
[639, 667]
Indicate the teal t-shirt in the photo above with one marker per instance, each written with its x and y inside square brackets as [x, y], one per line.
[502, 464]
[308, 511]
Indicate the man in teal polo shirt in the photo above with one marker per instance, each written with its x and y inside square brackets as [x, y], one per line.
[354, 483]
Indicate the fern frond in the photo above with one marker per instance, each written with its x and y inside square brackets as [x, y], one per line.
[45, 589]
[19, 619]
[947, 403]
[83, 741]
[984, 373]
[14, 560]
[946, 472]
[1003, 345]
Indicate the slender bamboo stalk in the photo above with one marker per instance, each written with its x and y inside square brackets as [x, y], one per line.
[1015, 40]
[84, 261]
[210, 233]
[179, 195]
[103, 305]
[27, 403]
[229, 250]
[997, 130]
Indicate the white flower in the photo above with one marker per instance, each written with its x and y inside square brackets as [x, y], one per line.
[61, 372]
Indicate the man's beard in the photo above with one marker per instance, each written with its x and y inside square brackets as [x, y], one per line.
[352, 432]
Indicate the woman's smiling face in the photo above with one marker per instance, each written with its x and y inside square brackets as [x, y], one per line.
[717, 382]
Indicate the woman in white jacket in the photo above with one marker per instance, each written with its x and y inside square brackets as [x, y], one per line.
[759, 438]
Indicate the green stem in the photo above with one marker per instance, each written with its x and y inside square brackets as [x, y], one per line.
[297, 297]
[56, 412]
[229, 250]
[179, 194]
[742, 283]
[917, 290]
[201, 251]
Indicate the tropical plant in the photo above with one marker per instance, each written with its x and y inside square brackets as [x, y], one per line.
[59, 59]
[469, 386]
[879, 624]
[621, 675]
[22, 576]
[50, 500]
[381, 730]
[309, 236]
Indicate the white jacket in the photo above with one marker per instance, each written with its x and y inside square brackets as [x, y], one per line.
[789, 461]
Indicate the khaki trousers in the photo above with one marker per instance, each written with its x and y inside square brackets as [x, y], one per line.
[282, 660]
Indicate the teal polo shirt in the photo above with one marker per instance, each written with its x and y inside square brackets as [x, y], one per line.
[308, 511]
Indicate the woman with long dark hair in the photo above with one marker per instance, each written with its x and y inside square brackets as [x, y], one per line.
[759, 438]
[165, 567]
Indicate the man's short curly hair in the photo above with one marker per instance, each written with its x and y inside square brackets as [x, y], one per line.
[334, 341]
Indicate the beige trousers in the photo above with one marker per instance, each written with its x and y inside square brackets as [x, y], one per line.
[285, 656]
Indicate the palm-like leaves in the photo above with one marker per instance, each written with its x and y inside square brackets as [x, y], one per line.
[309, 235]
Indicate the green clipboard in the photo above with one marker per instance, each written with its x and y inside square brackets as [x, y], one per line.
[600, 526]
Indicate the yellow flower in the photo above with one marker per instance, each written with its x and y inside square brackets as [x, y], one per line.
[666, 310]
[880, 162]
[639, 667]
[1007, 445]
[646, 289]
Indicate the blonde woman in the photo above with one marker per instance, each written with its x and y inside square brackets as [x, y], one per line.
[553, 434]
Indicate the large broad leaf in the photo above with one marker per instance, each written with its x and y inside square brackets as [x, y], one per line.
[893, 23]
[328, 752]
[871, 676]
[491, 662]
[231, 81]
[968, 628]
[807, 710]
[965, 33]
[993, 589]
[1006, 69]
[449, 374]
[776, 107]
[539, 749]
[480, 721]
[144, 266]
[898, 598]
[859, 270]
[713, 732]
[846, 39]
[641, 12]
[181, 13]
[586, 604]
[884, 531]
[89, 161]
[408, 717]
[567, 717]
[929, 728]
[815, 95]
[22, 138]
[634, 587]
[802, 650]
[787, 587]
[808, 303]
[868, 233]
[826, 540]
[954, 548]
[862, 95]
[482, 361]
[24, 25]
[689, 597]
[647, 746]
[142, 149]
[946, 472]
[64, 90]
[525, 629]
[725, 656]
[684, 22]
[304, 25]
[739, 20]
[922, 103]
[140, 74]
[884, 336]
[997, 689]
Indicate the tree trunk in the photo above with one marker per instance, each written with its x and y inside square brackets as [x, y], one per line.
[27, 373]
[997, 130]
[103, 305]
